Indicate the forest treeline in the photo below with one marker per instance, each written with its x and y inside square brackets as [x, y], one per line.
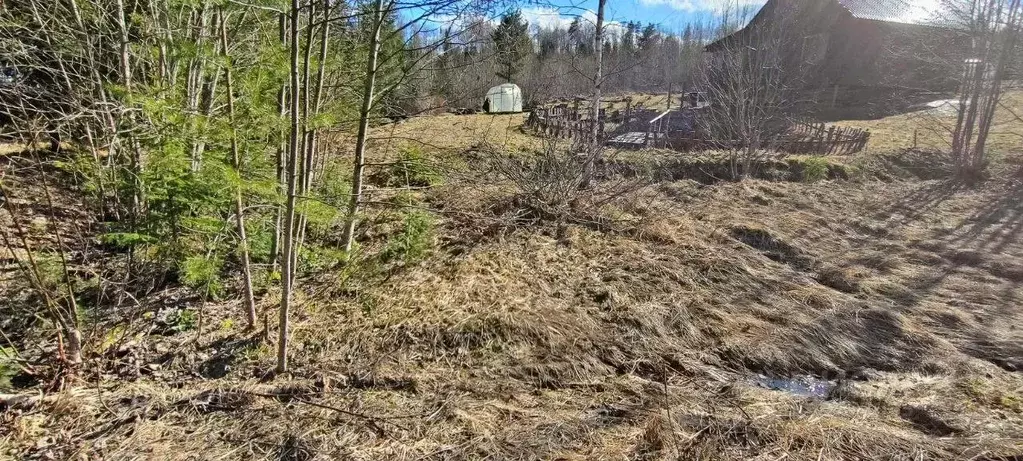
[558, 61]
[196, 131]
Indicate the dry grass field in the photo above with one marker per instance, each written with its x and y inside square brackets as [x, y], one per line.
[932, 126]
[877, 317]
[457, 132]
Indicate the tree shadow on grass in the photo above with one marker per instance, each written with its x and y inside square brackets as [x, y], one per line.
[989, 238]
[227, 353]
[921, 202]
[996, 224]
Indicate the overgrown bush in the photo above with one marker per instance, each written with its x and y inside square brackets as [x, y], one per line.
[334, 184]
[183, 320]
[413, 242]
[321, 257]
[8, 367]
[411, 169]
[202, 273]
[815, 169]
[320, 217]
[261, 235]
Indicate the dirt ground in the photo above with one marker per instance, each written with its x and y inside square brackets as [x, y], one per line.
[682, 331]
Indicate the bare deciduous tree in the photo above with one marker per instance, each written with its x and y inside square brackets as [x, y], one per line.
[753, 82]
[994, 27]
[58, 296]
[368, 92]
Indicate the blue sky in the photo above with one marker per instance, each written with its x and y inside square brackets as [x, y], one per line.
[667, 15]
[670, 15]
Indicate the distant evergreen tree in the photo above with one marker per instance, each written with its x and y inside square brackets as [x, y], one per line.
[548, 43]
[582, 40]
[648, 39]
[442, 84]
[511, 38]
[629, 37]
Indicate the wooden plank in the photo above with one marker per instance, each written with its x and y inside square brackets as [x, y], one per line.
[832, 139]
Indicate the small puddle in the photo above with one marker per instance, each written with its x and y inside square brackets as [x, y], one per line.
[803, 386]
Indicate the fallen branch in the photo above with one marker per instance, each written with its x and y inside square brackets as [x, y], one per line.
[371, 420]
[22, 401]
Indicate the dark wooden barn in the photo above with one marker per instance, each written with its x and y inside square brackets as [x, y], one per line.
[857, 53]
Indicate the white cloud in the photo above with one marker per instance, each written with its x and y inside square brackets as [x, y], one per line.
[703, 5]
[460, 25]
[538, 18]
[545, 17]
[442, 19]
[548, 18]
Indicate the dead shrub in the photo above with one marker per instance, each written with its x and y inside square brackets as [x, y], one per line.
[558, 185]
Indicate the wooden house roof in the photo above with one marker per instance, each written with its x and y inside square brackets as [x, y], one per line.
[897, 11]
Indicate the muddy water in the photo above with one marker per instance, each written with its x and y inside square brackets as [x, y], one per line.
[803, 386]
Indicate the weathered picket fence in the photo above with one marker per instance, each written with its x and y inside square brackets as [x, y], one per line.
[822, 139]
[677, 130]
[550, 122]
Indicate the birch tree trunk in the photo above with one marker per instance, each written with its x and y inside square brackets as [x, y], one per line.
[598, 77]
[594, 149]
[1009, 37]
[287, 280]
[311, 147]
[360, 142]
[195, 81]
[239, 208]
[303, 170]
[995, 28]
[275, 244]
[122, 26]
[317, 97]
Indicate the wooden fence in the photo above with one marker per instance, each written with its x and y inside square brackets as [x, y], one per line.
[562, 127]
[822, 139]
[564, 122]
[676, 130]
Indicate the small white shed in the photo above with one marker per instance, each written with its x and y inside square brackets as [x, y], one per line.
[503, 98]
